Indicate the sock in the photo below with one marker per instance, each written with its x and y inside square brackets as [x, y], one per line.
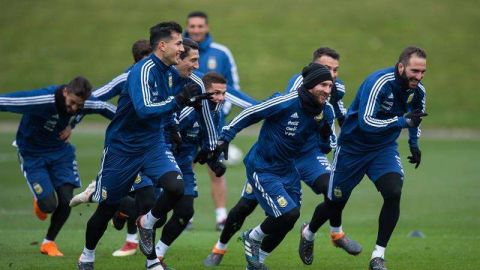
[150, 262]
[262, 256]
[336, 229]
[132, 238]
[221, 245]
[309, 235]
[46, 241]
[379, 251]
[87, 255]
[148, 220]
[161, 249]
[221, 214]
[257, 234]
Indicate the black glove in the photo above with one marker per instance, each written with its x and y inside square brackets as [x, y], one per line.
[217, 167]
[414, 118]
[416, 156]
[222, 147]
[325, 131]
[175, 139]
[204, 156]
[189, 96]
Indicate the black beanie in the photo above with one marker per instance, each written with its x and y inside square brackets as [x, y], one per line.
[314, 74]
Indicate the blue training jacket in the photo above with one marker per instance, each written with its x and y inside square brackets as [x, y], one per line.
[375, 118]
[41, 123]
[286, 129]
[193, 132]
[297, 80]
[145, 106]
[207, 115]
[112, 88]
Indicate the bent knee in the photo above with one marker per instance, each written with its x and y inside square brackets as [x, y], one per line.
[48, 204]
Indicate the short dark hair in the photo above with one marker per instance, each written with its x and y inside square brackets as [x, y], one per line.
[140, 49]
[163, 31]
[325, 51]
[408, 52]
[80, 86]
[200, 14]
[213, 77]
[188, 44]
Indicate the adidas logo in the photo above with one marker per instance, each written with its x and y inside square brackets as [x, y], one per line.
[294, 115]
[195, 125]
[391, 95]
[179, 177]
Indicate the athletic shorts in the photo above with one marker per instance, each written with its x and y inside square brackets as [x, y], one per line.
[276, 194]
[48, 171]
[349, 169]
[118, 172]
[311, 165]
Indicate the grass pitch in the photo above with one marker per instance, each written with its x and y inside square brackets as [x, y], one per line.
[440, 199]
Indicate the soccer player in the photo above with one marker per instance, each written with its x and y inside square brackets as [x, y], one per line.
[217, 57]
[47, 160]
[331, 59]
[290, 120]
[135, 142]
[312, 165]
[192, 135]
[140, 49]
[388, 101]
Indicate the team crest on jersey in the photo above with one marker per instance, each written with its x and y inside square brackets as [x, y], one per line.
[138, 179]
[337, 192]
[38, 188]
[410, 97]
[282, 201]
[212, 63]
[248, 188]
[170, 80]
[319, 117]
[104, 193]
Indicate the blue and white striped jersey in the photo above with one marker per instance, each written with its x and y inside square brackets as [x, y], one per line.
[297, 80]
[286, 129]
[41, 123]
[375, 118]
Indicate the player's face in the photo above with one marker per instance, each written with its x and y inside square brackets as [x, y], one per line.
[321, 91]
[414, 70]
[171, 49]
[73, 103]
[188, 64]
[218, 90]
[330, 63]
[197, 28]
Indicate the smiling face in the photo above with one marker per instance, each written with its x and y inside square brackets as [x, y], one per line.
[188, 64]
[322, 91]
[73, 103]
[171, 49]
[414, 71]
[197, 28]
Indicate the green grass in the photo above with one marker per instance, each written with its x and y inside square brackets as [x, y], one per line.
[440, 199]
[49, 42]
